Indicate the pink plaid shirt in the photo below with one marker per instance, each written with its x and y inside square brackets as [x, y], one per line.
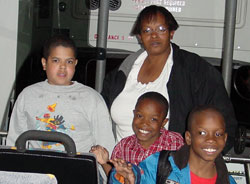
[131, 151]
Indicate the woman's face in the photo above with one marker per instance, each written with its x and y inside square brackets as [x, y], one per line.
[155, 35]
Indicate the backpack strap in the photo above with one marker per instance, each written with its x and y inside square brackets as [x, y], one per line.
[164, 167]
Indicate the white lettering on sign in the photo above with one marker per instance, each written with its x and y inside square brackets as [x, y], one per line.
[174, 3]
[174, 9]
[171, 5]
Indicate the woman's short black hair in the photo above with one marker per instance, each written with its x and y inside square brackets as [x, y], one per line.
[155, 96]
[149, 13]
[58, 40]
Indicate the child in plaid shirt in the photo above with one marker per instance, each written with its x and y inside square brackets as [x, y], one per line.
[150, 135]
[198, 161]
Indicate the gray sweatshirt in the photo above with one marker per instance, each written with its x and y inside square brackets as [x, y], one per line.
[76, 110]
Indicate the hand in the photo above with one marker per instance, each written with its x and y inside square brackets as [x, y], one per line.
[102, 155]
[124, 169]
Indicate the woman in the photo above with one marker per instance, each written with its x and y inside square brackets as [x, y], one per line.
[184, 78]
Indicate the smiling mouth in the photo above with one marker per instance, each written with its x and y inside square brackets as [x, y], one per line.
[143, 131]
[210, 150]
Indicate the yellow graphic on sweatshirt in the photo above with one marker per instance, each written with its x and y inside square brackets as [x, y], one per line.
[52, 107]
[53, 125]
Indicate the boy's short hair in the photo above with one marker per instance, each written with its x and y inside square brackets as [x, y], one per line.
[200, 109]
[58, 40]
[156, 97]
[149, 13]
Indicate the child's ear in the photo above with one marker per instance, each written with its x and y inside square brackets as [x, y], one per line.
[188, 137]
[76, 62]
[165, 121]
[44, 62]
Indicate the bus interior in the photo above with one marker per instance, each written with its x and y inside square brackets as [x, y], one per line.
[101, 32]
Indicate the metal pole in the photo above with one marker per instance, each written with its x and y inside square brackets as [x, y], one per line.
[228, 43]
[102, 32]
[247, 169]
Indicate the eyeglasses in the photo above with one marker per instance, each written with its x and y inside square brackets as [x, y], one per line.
[159, 30]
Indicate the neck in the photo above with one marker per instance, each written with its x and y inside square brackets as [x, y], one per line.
[202, 169]
[147, 144]
[158, 58]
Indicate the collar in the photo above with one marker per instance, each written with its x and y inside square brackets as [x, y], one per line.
[158, 142]
[181, 160]
[129, 61]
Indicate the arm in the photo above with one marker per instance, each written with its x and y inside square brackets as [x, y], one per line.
[101, 125]
[216, 94]
[109, 83]
[102, 157]
[197, 82]
[108, 80]
[117, 152]
[124, 172]
[18, 121]
[113, 84]
[175, 140]
[145, 173]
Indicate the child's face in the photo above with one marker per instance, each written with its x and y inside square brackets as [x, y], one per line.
[149, 117]
[207, 137]
[60, 66]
